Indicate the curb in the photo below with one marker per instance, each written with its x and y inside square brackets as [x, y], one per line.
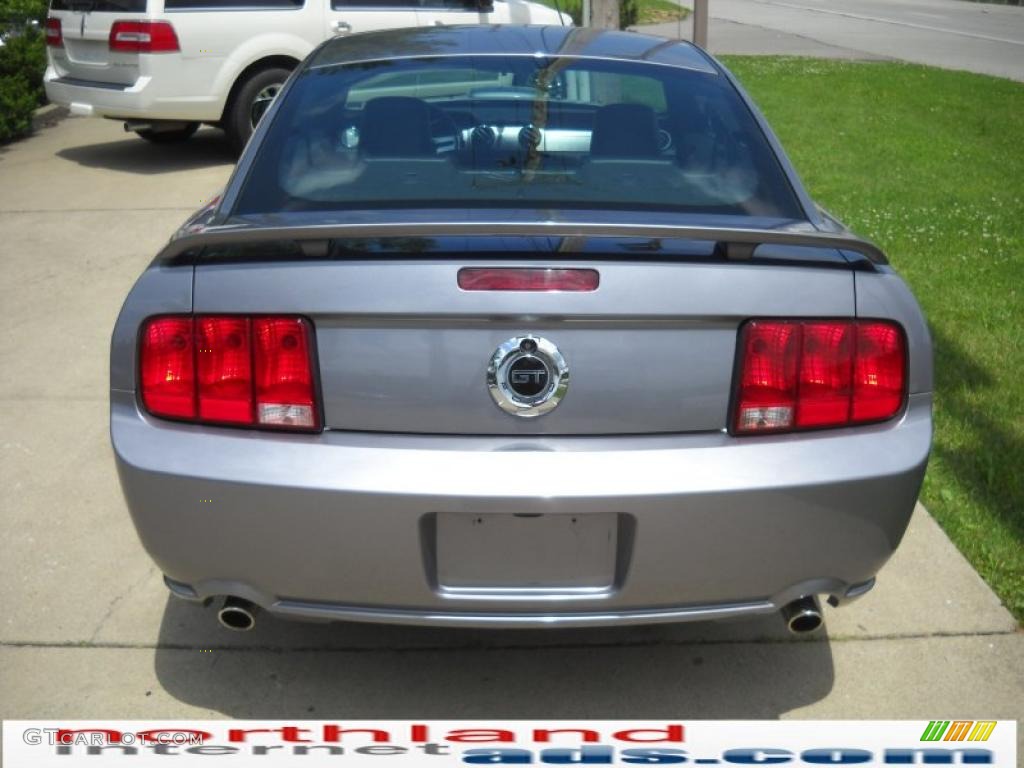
[48, 115]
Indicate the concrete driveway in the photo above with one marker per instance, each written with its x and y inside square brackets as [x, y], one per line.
[87, 628]
[953, 34]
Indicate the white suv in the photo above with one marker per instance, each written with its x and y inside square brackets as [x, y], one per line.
[166, 66]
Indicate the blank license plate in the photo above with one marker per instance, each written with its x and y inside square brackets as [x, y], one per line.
[504, 552]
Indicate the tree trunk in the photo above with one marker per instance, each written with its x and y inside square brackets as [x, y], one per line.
[604, 14]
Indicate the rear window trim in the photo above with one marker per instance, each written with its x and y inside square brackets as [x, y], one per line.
[362, 5]
[90, 6]
[226, 7]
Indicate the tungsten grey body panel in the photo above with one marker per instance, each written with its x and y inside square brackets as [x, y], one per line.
[665, 336]
[338, 519]
[512, 455]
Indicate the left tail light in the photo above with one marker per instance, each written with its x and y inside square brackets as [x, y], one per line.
[230, 369]
[143, 37]
[54, 33]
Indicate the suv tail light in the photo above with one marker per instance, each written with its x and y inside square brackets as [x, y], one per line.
[54, 34]
[143, 37]
[811, 374]
[230, 369]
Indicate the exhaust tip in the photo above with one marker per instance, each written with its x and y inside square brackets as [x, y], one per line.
[803, 616]
[237, 614]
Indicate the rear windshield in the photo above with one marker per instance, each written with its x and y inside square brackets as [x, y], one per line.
[101, 6]
[515, 131]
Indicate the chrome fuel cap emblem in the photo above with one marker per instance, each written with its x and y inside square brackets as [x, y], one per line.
[527, 376]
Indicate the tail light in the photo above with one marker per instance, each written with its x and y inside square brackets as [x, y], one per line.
[229, 369]
[54, 34]
[284, 376]
[143, 37]
[796, 375]
[224, 369]
[168, 368]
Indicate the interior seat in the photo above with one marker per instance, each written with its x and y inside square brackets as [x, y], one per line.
[625, 131]
[396, 126]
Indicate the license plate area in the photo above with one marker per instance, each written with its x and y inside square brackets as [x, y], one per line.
[527, 556]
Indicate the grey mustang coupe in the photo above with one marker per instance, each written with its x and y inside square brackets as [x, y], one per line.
[518, 327]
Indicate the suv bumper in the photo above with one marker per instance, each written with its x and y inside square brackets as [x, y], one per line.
[337, 525]
[144, 99]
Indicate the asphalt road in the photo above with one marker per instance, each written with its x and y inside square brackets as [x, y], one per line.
[953, 34]
[88, 630]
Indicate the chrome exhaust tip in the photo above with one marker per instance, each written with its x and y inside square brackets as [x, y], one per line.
[153, 126]
[803, 615]
[237, 614]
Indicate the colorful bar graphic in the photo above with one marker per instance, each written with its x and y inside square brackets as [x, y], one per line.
[958, 730]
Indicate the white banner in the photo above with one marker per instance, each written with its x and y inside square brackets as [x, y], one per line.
[144, 743]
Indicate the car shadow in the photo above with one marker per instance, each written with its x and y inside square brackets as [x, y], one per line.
[281, 669]
[134, 155]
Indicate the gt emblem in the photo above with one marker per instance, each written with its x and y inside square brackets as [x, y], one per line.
[533, 375]
[527, 376]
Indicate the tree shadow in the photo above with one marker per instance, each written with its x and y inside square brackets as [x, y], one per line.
[741, 669]
[986, 464]
[206, 149]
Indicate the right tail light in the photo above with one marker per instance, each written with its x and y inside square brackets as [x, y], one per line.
[812, 374]
[143, 37]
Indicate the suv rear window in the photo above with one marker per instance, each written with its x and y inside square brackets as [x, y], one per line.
[512, 132]
[100, 6]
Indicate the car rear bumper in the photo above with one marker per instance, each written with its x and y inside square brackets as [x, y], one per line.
[341, 525]
[150, 97]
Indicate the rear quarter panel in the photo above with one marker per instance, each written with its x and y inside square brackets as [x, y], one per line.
[160, 290]
[884, 294]
[223, 44]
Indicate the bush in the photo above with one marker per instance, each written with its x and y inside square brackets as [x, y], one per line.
[15, 13]
[629, 10]
[22, 63]
[24, 56]
[17, 103]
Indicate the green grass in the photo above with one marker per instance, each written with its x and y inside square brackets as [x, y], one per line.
[658, 11]
[647, 11]
[930, 165]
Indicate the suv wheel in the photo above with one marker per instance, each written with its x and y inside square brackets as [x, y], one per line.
[171, 136]
[251, 100]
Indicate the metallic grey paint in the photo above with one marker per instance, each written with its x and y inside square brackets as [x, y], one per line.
[343, 524]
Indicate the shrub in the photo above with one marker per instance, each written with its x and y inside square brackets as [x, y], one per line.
[17, 103]
[629, 11]
[24, 55]
[15, 13]
[22, 63]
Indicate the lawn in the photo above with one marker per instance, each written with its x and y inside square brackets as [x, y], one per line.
[658, 11]
[929, 164]
[647, 11]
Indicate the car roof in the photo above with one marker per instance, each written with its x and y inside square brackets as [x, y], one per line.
[510, 40]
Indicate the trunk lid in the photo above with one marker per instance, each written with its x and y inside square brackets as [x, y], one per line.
[403, 349]
[86, 54]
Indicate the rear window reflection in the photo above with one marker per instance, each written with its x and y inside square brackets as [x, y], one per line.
[516, 131]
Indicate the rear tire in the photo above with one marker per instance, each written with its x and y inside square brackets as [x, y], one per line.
[251, 100]
[169, 137]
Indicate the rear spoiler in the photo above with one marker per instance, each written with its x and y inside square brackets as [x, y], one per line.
[737, 244]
